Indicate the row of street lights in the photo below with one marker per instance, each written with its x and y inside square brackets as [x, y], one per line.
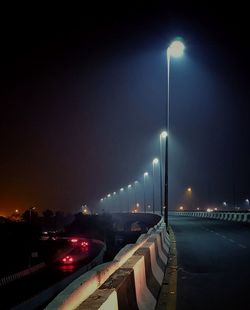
[134, 186]
[174, 50]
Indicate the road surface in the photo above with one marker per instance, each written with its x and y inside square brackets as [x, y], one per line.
[25, 288]
[213, 264]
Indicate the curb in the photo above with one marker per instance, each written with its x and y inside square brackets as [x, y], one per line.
[168, 293]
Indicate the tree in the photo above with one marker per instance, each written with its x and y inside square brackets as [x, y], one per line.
[48, 214]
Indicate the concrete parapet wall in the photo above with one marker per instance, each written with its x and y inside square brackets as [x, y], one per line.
[132, 280]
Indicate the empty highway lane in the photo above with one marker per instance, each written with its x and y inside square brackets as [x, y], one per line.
[213, 263]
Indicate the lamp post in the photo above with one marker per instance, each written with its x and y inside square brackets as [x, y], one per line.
[189, 195]
[154, 162]
[30, 242]
[114, 201]
[108, 202]
[144, 195]
[30, 212]
[175, 49]
[129, 186]
[163, 136]
[121, 191]
[135, 187]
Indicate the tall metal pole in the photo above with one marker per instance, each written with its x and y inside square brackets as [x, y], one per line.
[144, 198]
[153, 187]
[166, 187]
[128, 199]
[134, 194]
[161, 167]
[135, 188]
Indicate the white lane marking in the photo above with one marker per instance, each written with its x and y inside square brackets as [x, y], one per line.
[242, 246]
[224, 237]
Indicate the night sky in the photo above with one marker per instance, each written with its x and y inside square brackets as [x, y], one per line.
[83, 95]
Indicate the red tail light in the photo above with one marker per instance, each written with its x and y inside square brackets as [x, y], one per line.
[67, 260]
[84, 244]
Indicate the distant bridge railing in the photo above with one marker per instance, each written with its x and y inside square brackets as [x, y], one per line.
[226, 216]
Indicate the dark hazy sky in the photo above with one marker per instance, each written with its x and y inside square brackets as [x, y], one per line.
[83, 94]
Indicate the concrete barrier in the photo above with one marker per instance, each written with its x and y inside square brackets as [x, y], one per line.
[132, 280]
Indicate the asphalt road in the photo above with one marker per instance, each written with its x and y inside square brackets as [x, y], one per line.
[27, 287]
[213, 264]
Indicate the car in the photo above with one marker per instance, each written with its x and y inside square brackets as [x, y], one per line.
[67, 260]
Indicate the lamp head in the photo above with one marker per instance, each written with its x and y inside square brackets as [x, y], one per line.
[164, 134]
[155, 161]
[176, 48]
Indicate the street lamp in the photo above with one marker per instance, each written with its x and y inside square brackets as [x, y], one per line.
[144, 198]
[163, 136]
[122, 204]
[189, 197]
[135, 187]
[30, 211]
[154, 162]
[175, 49]
[129, 186]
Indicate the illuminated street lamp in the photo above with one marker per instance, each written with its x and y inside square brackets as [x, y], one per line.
[175, 50]
[135, 188]
[189, 197]
[120, 198]
[145, 175]
[163, 136]
[154, 162]
[129, 187]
